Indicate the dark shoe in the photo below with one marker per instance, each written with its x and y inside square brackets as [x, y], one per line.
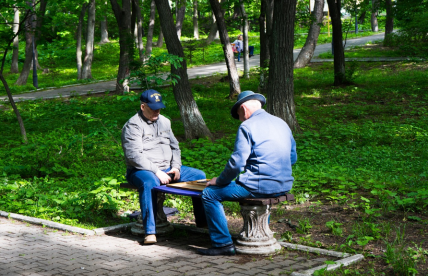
[228, 250]
[251, 56]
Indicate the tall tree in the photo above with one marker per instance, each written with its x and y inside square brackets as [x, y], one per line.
[245, 41]
[180, 16]
[123, 19]
[193, 122]
[138, 26]
[388, 29]
[15, 54]
[374, 14]
[337, 42]
[195, 20]
[307, 52]
[160, 41]
[38, 29]
[27, 14]
[104, 31]
[149, 38]
[280, 89]
[234, 82]
[265, 27]
[30, 25]
[79, 41]
[214, 33]
[89, 49]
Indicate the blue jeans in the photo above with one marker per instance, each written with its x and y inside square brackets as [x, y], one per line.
[251, 49]
[216, 220]
[146, 180]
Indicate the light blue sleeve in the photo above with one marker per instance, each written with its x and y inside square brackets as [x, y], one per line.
[238, 159]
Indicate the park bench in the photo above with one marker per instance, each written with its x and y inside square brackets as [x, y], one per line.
[255, 237]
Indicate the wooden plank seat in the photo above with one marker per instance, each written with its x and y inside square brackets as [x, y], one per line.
[255, 237]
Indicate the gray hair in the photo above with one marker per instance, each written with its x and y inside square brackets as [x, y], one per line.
[253, 104]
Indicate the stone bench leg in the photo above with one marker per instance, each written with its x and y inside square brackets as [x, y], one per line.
[256, 236]
[162, 224]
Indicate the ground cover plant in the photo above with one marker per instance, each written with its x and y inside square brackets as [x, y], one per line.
[362, 159]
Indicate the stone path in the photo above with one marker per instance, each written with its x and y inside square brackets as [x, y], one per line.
[195, 72]
[27, 249]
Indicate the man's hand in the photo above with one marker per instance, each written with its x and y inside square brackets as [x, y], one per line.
[212, 182]
[163, 177]
[176, 173]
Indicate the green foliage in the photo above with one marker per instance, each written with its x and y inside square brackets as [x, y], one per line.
[149, 73]
[286, 236]
[362, 146]
[335, 227]
[402, 259]
[304, 226]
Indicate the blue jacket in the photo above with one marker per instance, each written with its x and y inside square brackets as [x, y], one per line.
[265, 150]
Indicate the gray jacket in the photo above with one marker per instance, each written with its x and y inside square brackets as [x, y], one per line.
[148, 149]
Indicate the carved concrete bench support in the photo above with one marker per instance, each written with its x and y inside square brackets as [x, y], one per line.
[256, 236]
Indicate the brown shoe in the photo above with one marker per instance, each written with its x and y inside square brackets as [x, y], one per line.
[150, 239]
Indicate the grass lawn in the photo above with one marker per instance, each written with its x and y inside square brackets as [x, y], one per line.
[361, 180]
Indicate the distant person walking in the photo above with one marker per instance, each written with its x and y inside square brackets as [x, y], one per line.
[239, 47]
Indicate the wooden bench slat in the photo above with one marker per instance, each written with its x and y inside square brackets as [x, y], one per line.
[245, 201]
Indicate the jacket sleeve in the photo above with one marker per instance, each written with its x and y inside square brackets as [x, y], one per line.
[238, 159]
[132, 144]
[176, 161]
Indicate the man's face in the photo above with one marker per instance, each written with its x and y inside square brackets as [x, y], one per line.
[150, 113]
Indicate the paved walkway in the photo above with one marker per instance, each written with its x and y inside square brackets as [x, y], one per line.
[27, 249]
[193, 73]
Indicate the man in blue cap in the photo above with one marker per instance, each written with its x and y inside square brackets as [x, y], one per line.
[152, 156]
[265, 150]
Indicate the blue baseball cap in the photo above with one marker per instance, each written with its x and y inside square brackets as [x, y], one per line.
[244, 97]
[152, 98]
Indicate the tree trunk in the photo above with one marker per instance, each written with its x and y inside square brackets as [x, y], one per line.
[89, 49]
[38, 26]
[138, 12]
[133, 26]
[160, 39]
[193, 122]
[234, 82]
[361, 18]
[213, 34]
[23, 77]
[307, 52]
[265, 26]
[14, 66]
[195, 19]
[180, 17]
[374, 13]
[150, 29]
[79, 41]
[280, 90]
[389, 18]
[245, 41]
[337, 42]
[123, 18]
[104, 32]
[15, 109]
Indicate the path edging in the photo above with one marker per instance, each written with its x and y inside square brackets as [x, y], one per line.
[68, 228]
[347, 259]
